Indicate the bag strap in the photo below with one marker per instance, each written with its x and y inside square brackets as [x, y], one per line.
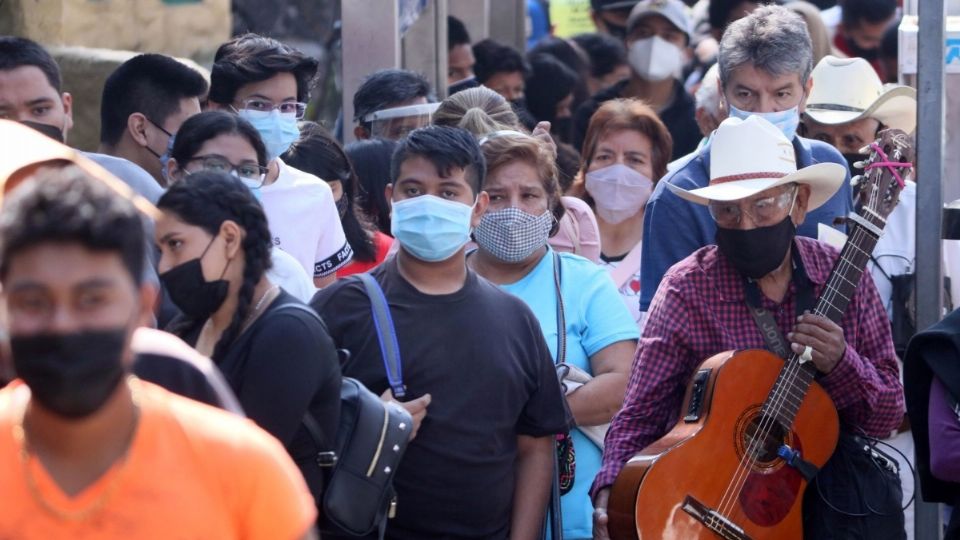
[561, 317]
[627, 267]
[386, 334]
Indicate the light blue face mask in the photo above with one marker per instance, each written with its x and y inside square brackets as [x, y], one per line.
[430, 228]
[278, 131]
[787, 120]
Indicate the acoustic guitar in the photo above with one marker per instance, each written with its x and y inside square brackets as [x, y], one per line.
[753, 426]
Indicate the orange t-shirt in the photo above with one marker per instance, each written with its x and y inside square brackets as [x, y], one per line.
[192, 472]
[381, 243]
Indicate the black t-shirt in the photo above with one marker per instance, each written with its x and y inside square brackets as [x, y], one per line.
[481, 356]
[281, 366]
[680, 117]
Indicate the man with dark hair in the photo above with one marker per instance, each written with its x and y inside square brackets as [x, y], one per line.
[501, 69]
[610, 16]
[144, 102]
[30, 86]
[80, 439]
[658, 35]
[390, 103]
[721, 13]
[862, 25]
[479, 467]
[608, 60]
[459, 53]
[267, 83]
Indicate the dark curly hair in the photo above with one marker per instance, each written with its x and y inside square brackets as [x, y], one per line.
[206, 199]
[253, 58]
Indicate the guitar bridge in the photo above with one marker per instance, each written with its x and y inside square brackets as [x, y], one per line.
[713, 520]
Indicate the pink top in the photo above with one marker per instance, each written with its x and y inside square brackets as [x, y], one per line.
[578, 232]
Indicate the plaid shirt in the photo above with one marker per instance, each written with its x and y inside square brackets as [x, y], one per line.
[699, 310]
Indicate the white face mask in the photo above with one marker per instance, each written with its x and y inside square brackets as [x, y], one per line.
[618, 192]
[656, 59]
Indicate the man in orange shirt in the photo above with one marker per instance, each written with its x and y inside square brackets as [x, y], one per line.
[86, 450]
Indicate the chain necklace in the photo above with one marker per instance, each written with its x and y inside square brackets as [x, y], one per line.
[20, 438]
[256, 308]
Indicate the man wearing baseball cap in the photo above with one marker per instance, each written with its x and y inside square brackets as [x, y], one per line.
[657, 39]
[757, 196]
[610, 16]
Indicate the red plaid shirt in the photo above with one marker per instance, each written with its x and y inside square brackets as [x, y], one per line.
[699, 310]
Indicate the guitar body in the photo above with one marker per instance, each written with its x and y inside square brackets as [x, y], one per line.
[657, 494]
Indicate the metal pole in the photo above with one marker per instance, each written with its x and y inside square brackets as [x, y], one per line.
[930, 173]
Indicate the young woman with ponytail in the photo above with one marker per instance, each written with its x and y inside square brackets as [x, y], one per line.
[278, 358]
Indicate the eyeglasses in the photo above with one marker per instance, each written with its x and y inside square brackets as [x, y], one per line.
[293, 108]
[250, 174]
[763, 211]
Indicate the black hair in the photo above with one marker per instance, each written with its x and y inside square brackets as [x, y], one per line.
[493, 57]
[890, 45]
[202, 127]
[387, 88]
[456, 33]
[568, 165]
[371, 162]
[18, 52]
[549, 82]
[207, 199]
[151, 84]
[606, 52]
[868, 11]
[319, 154]
[447, 148]
[718, 12]
[67, 205]
[252, 58]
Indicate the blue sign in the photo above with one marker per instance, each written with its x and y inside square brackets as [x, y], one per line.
[953, 51]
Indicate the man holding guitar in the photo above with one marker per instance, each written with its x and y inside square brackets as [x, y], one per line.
[709, 303]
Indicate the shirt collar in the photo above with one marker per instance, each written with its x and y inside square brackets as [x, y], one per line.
[724, 277]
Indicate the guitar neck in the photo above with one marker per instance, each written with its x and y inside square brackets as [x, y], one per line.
[797, 376]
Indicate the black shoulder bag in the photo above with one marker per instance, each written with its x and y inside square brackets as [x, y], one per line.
[358, 497]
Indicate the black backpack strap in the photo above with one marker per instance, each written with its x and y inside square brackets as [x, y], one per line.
[386, 335]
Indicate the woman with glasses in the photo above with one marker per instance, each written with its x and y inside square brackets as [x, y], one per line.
[625, 153]
[275, 353]
[586, 326]
[221, 142]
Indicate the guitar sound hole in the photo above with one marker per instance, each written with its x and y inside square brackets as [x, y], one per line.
[772, 437]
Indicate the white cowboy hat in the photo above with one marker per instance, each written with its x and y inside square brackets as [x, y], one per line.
[752, 155]
[848, 89]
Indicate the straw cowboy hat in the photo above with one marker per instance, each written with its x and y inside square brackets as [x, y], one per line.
[848, 89]
[752, 155]
[25, 148]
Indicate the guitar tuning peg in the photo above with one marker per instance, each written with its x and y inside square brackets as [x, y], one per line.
[865, 150]
[855, 180]
[860, 164]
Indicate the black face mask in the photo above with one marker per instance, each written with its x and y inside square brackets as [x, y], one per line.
[562, 128]
[72, 375]
[757, 252]
[342, 206]
[867, 54]
[196, 297]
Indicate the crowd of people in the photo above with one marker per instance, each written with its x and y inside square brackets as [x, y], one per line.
[560, 243]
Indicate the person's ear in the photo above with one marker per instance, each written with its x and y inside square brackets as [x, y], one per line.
[137, 128]
[149, 297]
[799, 213]
[388, 194]
[67, 100]
[480, 208]
[360, 133]
[174, 172]
[232, 236]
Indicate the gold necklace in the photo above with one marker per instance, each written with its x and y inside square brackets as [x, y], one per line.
[20, 438]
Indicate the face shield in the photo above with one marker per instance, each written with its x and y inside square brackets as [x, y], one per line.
[395, 123]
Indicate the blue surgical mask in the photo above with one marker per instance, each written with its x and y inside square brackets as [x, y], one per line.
[278, 131]
[787, 120]
[430, 228]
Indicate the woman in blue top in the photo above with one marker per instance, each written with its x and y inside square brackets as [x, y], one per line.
[600, 334]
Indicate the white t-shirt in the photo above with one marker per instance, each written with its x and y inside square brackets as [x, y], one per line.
[630, 291]
[304, 221]
[896, 250]
[290, 276]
